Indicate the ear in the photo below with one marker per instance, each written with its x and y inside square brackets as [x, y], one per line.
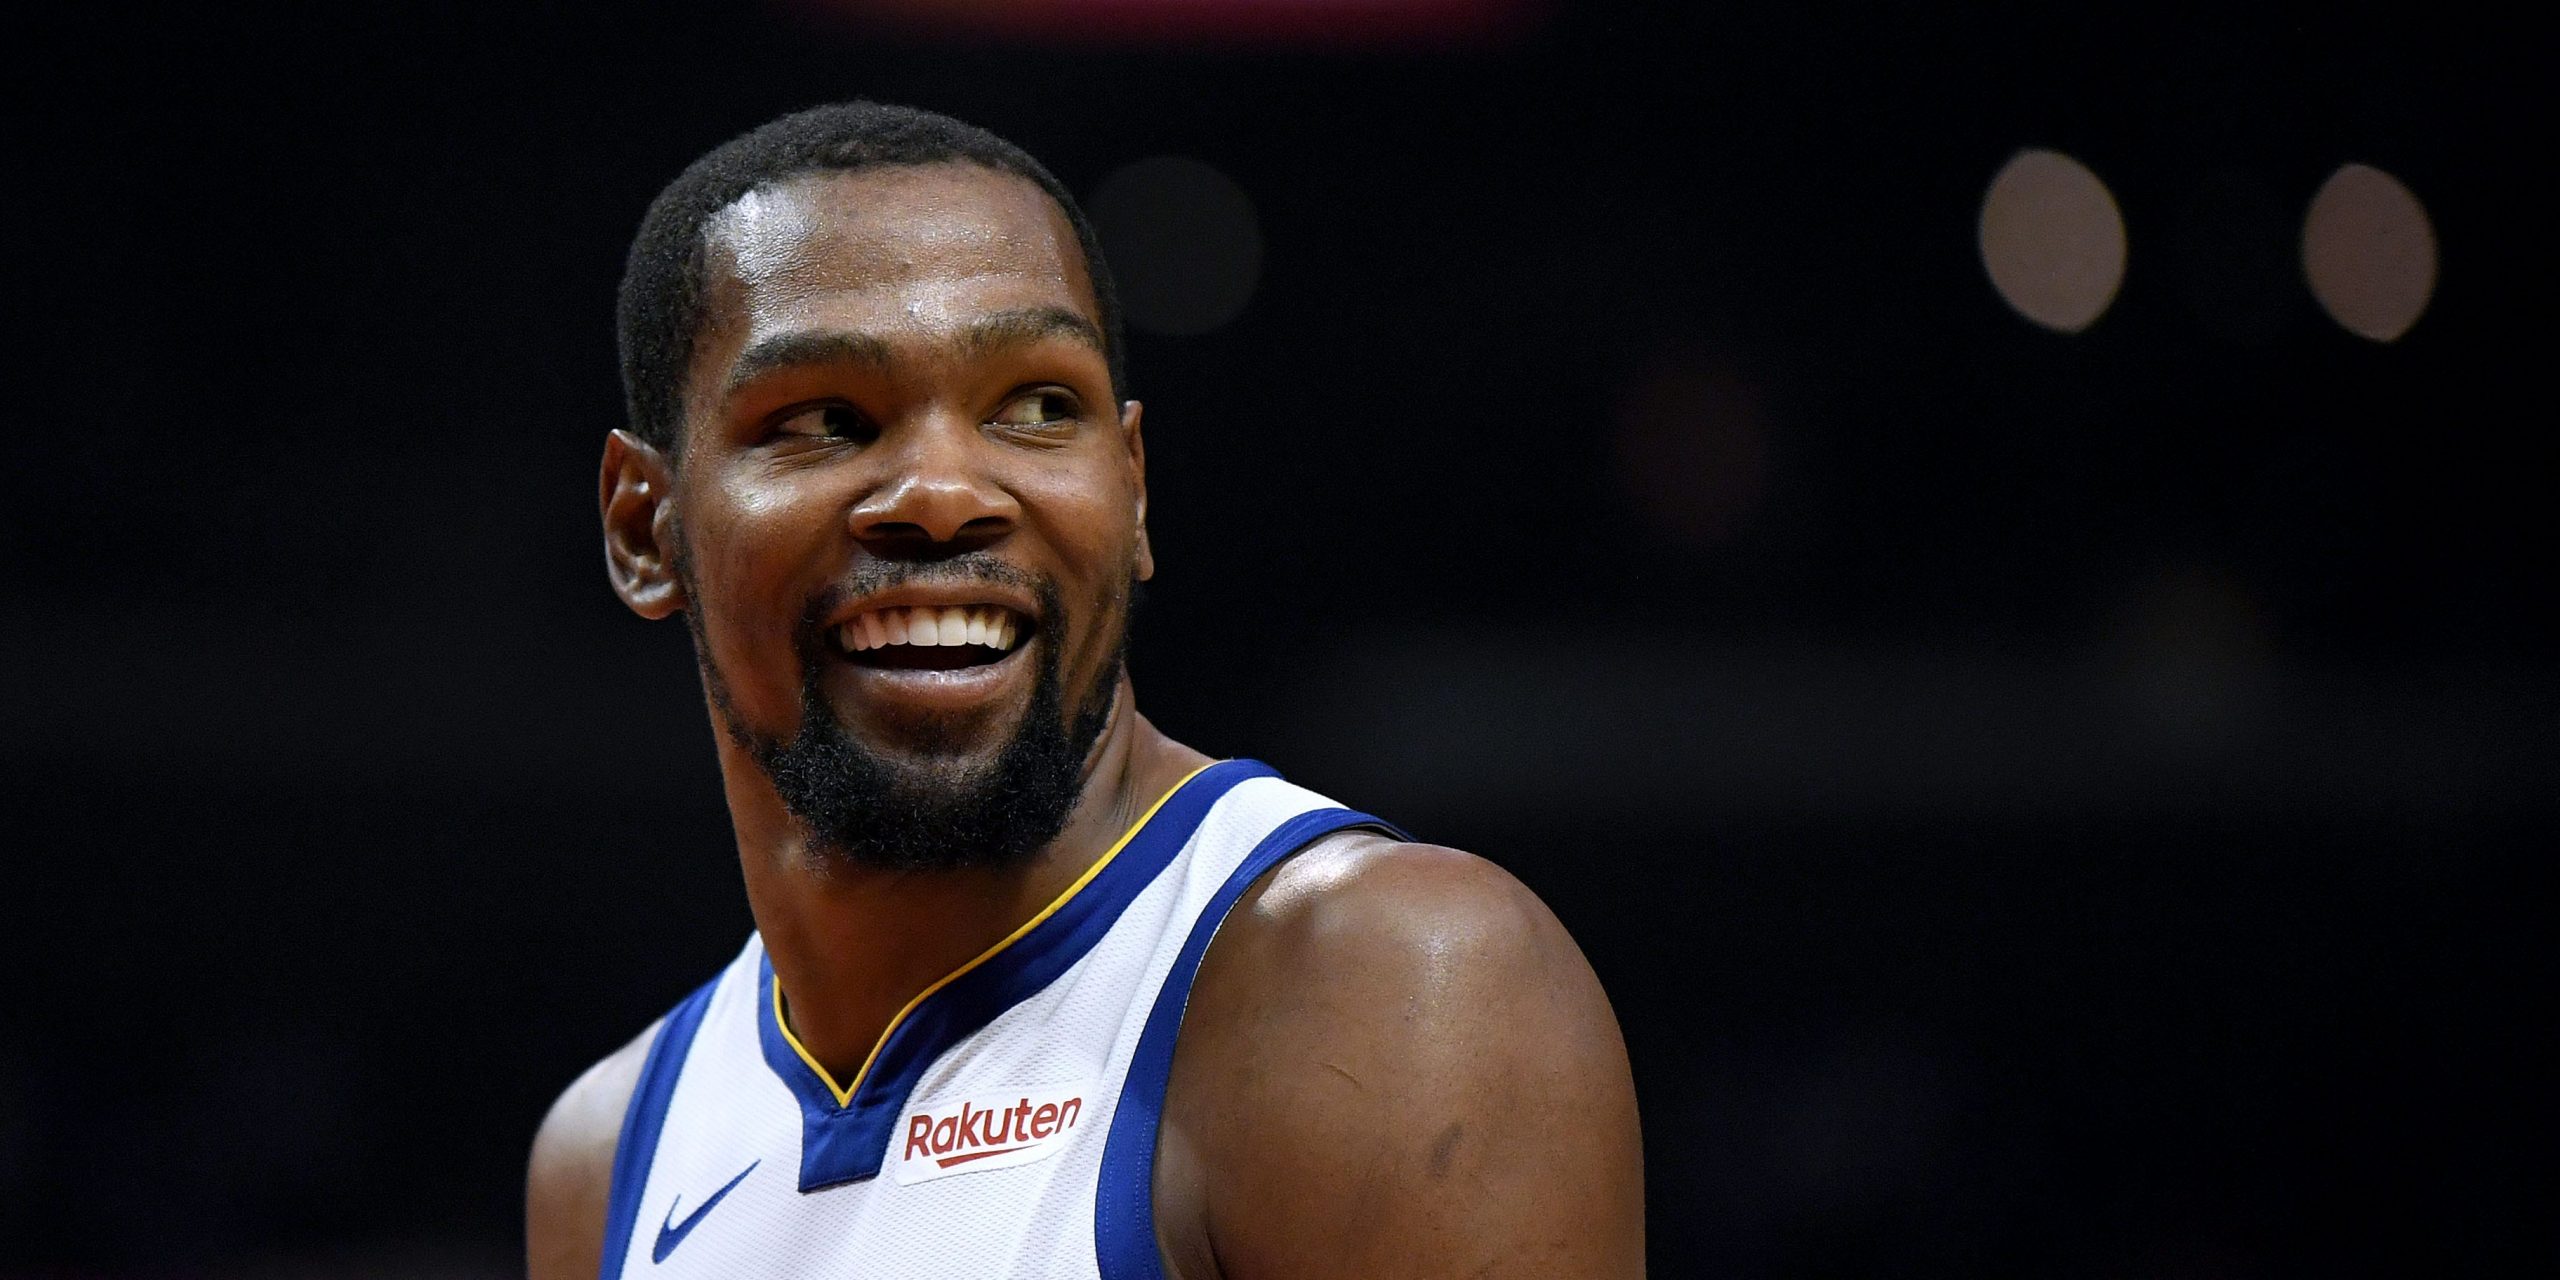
[635, 489]
[1130, 413]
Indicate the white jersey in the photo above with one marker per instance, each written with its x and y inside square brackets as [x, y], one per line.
[1005, 1125]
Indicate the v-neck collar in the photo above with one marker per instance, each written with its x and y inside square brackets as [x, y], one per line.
[845, 1131]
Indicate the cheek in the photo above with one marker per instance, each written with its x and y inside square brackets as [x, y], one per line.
[1095, 532]
[742, 528]
[751, 538]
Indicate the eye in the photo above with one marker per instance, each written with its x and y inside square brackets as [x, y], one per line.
[829, 422]
[1048, 407]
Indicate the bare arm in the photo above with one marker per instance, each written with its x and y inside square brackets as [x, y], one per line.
[571, 1172]
[1397, 1063]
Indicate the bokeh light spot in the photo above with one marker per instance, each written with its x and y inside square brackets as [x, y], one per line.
[2052, 240]
[2370, 252]
[1183, 242]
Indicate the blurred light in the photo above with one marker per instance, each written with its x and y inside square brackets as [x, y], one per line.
[2370, 252]
[1182, 241]
[2052, 240]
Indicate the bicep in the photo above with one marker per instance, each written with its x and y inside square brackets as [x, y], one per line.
[570, 1174]
[1431, 1083]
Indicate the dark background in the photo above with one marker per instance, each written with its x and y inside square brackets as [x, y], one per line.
[2055, 805]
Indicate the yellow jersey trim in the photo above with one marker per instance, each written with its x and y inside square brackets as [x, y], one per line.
[844, 1094]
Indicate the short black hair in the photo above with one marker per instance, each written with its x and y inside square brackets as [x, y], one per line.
[660, 309]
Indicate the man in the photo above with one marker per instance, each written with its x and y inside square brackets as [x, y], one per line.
[1036, 990]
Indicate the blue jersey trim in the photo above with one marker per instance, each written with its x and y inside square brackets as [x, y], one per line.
[1124, 1201]
[642, 1120]
[849, 1143]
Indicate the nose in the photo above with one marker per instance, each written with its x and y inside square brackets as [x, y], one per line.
[936, 497]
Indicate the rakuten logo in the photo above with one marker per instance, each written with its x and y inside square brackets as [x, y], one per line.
[989, 1131]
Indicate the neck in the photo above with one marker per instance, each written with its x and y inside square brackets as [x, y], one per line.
[853, 946]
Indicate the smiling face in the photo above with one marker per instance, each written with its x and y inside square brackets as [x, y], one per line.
[908, 514]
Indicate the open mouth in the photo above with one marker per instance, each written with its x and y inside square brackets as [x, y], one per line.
[932, 637]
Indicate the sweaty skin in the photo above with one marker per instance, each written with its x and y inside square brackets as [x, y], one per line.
[1394, 1062]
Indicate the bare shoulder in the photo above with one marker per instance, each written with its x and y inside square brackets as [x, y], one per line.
[1396, 1061]
[1363, 915]
[571, 1172]
[1360, 891]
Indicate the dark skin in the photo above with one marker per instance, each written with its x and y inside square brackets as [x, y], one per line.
[1394, 1063]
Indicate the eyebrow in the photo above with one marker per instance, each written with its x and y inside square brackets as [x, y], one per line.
[984, 335]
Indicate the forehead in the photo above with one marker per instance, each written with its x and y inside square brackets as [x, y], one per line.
[919, 247]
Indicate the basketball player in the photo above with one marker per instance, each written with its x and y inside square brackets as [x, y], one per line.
[1035, 989]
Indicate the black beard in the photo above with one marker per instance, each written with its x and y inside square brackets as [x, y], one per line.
[945, 814]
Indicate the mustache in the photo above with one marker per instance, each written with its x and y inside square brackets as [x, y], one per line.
[976, 568]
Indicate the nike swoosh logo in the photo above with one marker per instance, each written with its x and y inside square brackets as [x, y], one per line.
[672, 1233]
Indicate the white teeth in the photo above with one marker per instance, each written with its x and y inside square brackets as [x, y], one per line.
[990, 625]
